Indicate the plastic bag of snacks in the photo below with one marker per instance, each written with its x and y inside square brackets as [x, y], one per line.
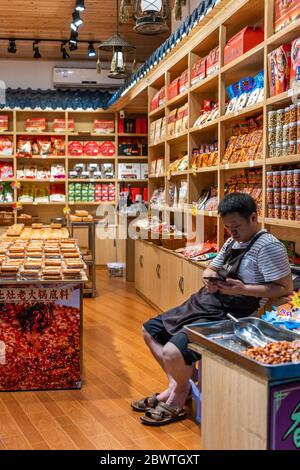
[6, 146]
[3, 123]
[58, 146]
[24, 147]
[6, 192]
[36, 125]
[44, 145]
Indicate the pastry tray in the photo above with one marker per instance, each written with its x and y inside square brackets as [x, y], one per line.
[219, 338]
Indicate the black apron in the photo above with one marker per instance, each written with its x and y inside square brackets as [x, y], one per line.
[203, 306]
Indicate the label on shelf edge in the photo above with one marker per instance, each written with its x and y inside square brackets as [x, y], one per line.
[291, 92]
[251, 163]
[227, 166]
[210, 214]
[194, 210]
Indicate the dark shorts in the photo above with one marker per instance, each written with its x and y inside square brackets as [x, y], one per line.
[156, 329]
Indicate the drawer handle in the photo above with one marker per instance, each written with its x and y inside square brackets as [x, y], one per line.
[158, 271]
[141, 261]
[181, 284]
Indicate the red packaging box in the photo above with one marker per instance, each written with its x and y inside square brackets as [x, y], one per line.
[104, 127]
[198, 71]
[285, 12]
[184, 81]
[60, 125]
[162, 96]
[279, 63]
[121, 126]
[173, 89]
[212, 61]
[144, 125]
[91, 149]
[75, 148]
[295, 61]
[3, 123]
[242, 42]
[138, 126]
[36, 125]
[107, 148]
[155, 101]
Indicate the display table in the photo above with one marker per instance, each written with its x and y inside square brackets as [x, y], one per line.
[246, 405]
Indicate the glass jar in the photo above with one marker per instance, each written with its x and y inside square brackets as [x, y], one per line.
[283, 179]
[279, 135]
[291, 212]
[293, 113]
[271, 211]
[270, 196]
[285, 149]
[278, 150]
[287, 115]
[277, 179]
[286, 132]
[297, 213]
[293, 147]
[292, 131]
[272, 135]
[269, 179]
[290, 200]
[296, 178]
[272, 118]
[277, 196]
[284, 195]
[290, 178]
[297, 196]
[280, 114]
[284, 212]
[277, 212]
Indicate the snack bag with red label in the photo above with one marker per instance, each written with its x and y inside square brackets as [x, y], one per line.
[24, 147]
[58, 146]
[104, 127]
[75, 148]
[3, 123]
[91, 149]
[295, 63]
[44, 145]
[6, 146]
[107, 149]
[279, 69]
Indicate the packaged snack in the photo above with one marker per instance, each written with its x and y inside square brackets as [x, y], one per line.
[58, 146]
[103, 127]
[291, 212]
[296, 178]
[6, 170]
[3, 123]
[198, 71]
[297, 196]
[184, 81]
[279, 69]
[283, 176]
[171, 122]
[60, 125]
[277, 212]
[44, 145]
[271, 211]
[290, 178]
[213, 61]
[269, 179]
[58, 171]
[290, 196]
[276, 179]
[242, 42]
[173, 89]
[24, 147]
[154, 102]
[91, 149]
[277, 196]
[75, 148]
[6, 146]
[107, 148]
[285, 11]
[284, 212]
[270, 195]
[162, 96]
[36, 125]
[284, 195]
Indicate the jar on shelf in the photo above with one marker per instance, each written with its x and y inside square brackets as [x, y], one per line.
[276, 179]
[280, 114]
[278, 150]
[290, 178]
[272, 151]
[297, 213]
[277, 211]
[272, 135]
[297, 178]
[272, 118]
[297, 196]
[283, 179]
[271, 211]
[279, 134]
[293, 113]
[290, 200]
[269, 179]
[270, 196]
[292, 131]
[298, 147]
[298, 130]
[291, 212]
[293, 147]
[286, 132]
[298, 111]
[287, 115]
[277, 196]
[284, 212]
[285, 148]
[284, 195]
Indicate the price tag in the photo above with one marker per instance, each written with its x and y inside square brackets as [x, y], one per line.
[291, 92]
[226, 166]
[194, 210]
[210, 214]
[251, 163]
[52, 180]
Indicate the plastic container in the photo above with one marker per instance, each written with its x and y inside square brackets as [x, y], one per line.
[116, 269]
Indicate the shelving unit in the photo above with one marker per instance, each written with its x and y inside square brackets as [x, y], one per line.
[213, 87]
[83, 132]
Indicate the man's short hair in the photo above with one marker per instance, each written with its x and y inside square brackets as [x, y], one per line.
[241, 203]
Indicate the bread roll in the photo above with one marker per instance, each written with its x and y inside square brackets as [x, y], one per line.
[80, 213]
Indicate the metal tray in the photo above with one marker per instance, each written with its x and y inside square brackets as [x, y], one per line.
[219, 338]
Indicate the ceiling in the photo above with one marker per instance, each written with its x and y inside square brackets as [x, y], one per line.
[51, 19]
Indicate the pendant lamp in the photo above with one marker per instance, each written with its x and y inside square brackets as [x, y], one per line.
[118, 46]
[150, 15]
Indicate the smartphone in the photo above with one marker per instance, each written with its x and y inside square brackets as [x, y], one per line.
[215, 279]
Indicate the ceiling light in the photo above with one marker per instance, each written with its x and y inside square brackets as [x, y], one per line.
[74, 37]
[65, 55]
[91, 50]
[12, 49]
[80, 5]
[77, 21]
[35, 48]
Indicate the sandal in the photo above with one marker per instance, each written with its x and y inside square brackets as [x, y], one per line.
[145, 404]
[163, 414]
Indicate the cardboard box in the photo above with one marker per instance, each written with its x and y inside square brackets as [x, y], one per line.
[173, 89]
[3, 123]
[198, 71]
[184, 81]
[104, 127]
[242, 42]
[213, 61]
[155, 101]
[129, 171]
[285, 12]
[162, 96]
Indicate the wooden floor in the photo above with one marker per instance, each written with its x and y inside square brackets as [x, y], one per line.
[117, 369]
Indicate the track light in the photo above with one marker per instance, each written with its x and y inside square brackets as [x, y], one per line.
[12, 49]
[74, 37]
[65, 55]
[77, 21]
[35, 48]
[80, 5]
[73, 46]
[91, 50]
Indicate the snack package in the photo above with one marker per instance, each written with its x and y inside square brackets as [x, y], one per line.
[58, 146]
[44, 145]
[60, 125]
[279, 62]
[91, 149]
[173, 89]
[295, 63]
[43, 173]
[6, 146]
[58, 171]
[107, 148]
[6, 170]
[184, 81]
[36, 125]
[24, 147]
[162, 96]
[213, 62]
[157, 131]
[242, 42]
[171, 121]
[198, 71]
[3, 123]
[154, 102]
[75, 148]
[285, 11]
[103, 127]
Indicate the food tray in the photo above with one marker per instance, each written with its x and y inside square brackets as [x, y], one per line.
[219, 338]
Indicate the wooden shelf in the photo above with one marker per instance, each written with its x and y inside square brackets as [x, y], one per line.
[286, 35]
[3, 157]
[39, 157]
[161, 175]
[243, 113]
[205, 169]
[56, 134]
[92, 203]
[158, 111]
[88, 134]
[157, 144]
[282, 223]
[123, 157]
[91, 158]
[91, 180]
[132, 135]
[10, 180]
[7, 203]
[128, 180]
[179, 173]
[42, 203]
[7, 133]
[248, 164]
[41, 181]
[178, 137]
[206, 213]
[205, 84]
[281, 99]
[177, 100]
[290, 159]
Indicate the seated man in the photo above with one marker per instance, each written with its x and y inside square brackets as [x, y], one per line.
[251, 266]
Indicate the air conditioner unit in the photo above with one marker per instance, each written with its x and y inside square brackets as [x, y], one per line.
[83, 78]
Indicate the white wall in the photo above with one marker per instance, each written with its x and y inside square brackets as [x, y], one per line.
[187, 10]
[34, 73]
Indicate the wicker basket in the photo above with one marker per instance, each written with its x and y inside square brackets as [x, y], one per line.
[173, 243]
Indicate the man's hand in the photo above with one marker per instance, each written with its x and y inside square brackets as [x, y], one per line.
[232, 287]
[211, 287]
